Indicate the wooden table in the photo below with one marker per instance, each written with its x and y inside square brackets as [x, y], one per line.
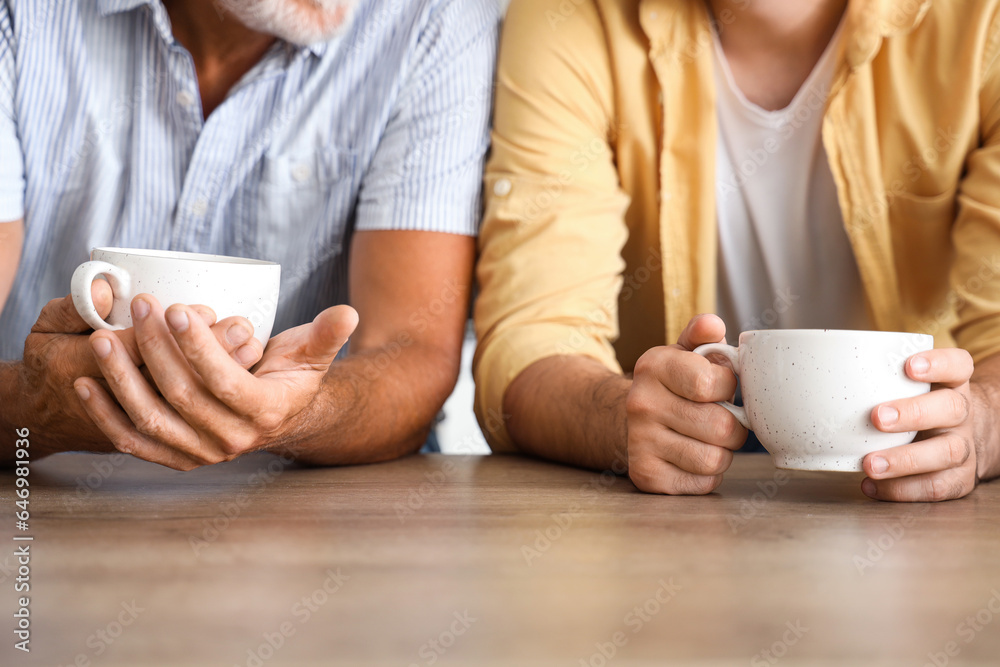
[493, 561]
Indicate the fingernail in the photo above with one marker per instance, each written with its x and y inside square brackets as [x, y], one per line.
[83, 392]
[237, 334]
[879, 465]
[868, 488]
[246, 355]
[178, 320]
[102, 347]
[140, 309]
[888, 415]
[919, 365]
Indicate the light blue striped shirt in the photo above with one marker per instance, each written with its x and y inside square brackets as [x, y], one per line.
[102, 142]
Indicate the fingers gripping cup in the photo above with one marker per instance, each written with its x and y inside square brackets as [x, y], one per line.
[808, 394]
[228, 285]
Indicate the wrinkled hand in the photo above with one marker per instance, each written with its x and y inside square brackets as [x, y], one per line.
[941, 463]
[56, 353]
[209, 408]
[679, 440]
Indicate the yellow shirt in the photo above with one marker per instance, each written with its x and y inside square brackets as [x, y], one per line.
[599, 237]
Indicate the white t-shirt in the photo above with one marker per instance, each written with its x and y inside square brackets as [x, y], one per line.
[784, 258]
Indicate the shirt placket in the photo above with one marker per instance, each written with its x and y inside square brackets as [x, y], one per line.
[687, 217]
[850, 139]
[218, 148]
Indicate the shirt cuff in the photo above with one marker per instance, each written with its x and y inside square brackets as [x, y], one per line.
[11, 207]
[460, 219]
[503, 356]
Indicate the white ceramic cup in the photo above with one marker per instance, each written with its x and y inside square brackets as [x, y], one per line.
[808, 394]
[228, 285]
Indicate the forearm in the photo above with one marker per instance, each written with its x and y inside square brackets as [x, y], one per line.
[11, 240]
[572, 410]
[51, 426]
[373, 406]
[986, 407]
[19, 410]
[10, 420]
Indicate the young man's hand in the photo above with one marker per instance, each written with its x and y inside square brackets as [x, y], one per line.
[941, 463]
[679, 440]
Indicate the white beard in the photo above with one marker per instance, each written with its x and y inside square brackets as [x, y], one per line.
[301, 22]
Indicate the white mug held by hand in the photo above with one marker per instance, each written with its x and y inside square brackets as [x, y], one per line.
[808, 394]
[228, 285]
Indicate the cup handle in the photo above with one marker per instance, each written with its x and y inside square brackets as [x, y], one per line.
[731, 353]
[83, 279]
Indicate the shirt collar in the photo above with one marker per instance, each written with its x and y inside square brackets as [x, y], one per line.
[109, 7]
[685, 25]
[871, 21]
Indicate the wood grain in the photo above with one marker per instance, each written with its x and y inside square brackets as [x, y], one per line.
[546, 565]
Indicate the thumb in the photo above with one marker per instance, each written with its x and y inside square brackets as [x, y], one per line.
[328, 333]
[60, 316]
[702, 329]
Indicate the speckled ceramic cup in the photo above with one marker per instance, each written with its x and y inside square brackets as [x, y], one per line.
[228, 285]
[808, 394]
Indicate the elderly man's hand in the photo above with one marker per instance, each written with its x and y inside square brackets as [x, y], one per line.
[58, 351]
[941, 463]
[209, 408]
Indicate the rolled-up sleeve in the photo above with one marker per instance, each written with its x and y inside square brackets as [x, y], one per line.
[11, 155]
[975, 275]
[550, 246]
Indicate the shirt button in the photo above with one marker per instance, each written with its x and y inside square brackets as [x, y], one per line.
[185, 99]
[677, 291]
[301, 173]
[502, 187]
[200, 207]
